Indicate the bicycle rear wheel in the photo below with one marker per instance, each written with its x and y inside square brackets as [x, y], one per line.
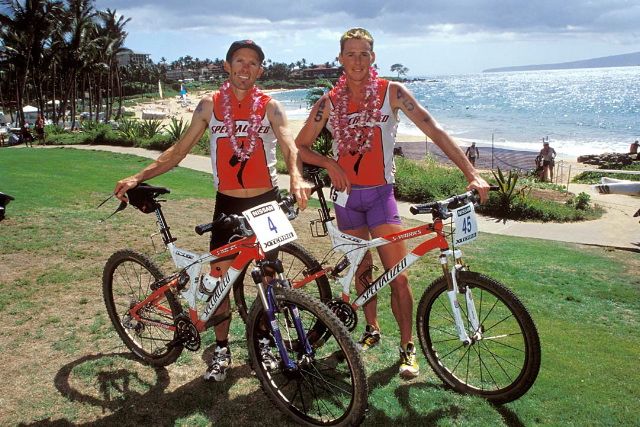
[126, 280]
[297, 263]
[500, 366]
[330, 388]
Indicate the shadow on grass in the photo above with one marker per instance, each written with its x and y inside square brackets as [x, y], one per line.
[379, 417]
[127, 397]
[131, 393]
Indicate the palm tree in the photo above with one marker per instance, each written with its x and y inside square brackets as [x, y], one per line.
[24, 32]
[78, 50]
[113, 36]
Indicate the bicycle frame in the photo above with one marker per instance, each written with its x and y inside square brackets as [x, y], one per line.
[354, 250]
[243, 252]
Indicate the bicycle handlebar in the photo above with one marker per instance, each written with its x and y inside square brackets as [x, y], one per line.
[240, 224]
[440, 208]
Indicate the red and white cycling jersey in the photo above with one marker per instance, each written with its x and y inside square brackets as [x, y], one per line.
[374, 167]
[259, 171]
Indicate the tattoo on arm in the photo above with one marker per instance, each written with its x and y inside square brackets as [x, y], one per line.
[320, 113]
[278, 111]
[200, 107]
[406, 101]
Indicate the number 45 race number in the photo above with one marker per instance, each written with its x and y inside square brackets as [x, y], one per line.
[466, 226]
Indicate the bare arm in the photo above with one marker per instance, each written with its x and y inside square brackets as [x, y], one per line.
[278, 120]
[402, 99]
[173, 155]
[312, 127]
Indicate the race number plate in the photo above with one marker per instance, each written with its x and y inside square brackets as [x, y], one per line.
[271, 225]
[339, 197]
[466, 226]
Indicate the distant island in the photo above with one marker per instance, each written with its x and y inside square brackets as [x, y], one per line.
[626, 60]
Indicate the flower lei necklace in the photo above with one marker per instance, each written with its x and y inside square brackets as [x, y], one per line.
[355, 138]
[241, 154]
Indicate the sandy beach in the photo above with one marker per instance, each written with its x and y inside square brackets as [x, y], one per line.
[414, 147]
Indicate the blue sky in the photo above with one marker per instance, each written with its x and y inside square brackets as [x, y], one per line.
[430, 37]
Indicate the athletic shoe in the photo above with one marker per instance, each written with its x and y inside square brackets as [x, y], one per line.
[408, 364]
[220, 364]
[269, 360]
[370, 338]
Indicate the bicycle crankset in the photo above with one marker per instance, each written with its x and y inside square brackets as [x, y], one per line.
[344, 312]
[188, 335]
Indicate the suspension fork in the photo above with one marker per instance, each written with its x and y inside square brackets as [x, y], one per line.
[268, 300]
[451, 276]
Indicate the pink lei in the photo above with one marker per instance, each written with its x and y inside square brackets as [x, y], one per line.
[355, 138]
[240, 152]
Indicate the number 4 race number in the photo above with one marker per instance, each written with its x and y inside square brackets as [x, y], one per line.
[271, 225]
[466, 226]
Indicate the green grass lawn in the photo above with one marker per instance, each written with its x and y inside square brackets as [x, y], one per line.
[64, 364]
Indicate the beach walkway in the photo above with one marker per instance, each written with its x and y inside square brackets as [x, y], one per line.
[617, 228]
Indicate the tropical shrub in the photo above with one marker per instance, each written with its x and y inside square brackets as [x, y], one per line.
[129, 128]
[177, 128]
[426, 180]
[150, 128]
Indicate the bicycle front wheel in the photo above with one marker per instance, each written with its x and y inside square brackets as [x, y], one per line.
[297, 263]
[503, 359]
[126, 280]
[326, 388]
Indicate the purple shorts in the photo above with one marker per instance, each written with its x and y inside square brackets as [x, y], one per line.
[368, 206]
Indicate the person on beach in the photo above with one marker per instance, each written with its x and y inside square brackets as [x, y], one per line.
[245, 124]
[27, 138]
[548, 155]
[40, 129]
[472, 153]
[361, 112]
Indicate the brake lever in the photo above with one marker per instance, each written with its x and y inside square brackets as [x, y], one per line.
[106, 200]
[121, 207]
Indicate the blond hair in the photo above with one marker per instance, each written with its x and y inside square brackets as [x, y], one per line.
[356, 33]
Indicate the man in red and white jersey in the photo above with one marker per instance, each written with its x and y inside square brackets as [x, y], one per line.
[245, 125]
[361, 112]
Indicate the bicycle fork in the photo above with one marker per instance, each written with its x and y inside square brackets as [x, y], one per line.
[268, 300]
[451, 276]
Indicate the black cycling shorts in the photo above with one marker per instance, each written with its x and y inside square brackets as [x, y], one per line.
[229, 205]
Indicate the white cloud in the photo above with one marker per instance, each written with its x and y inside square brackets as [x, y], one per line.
[288, 30]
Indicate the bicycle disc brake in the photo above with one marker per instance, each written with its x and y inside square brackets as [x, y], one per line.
[188, 335]
[344, 312]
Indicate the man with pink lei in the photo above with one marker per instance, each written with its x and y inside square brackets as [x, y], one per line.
[245, 125]
[361, 112]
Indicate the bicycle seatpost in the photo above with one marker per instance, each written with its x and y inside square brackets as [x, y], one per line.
[317, 187]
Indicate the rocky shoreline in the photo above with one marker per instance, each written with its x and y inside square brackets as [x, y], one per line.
[609, 160]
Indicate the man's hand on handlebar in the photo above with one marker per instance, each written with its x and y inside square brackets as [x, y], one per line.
[481, 186]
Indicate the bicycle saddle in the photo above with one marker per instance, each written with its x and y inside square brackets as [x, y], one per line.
[143, 197]
[4, 201]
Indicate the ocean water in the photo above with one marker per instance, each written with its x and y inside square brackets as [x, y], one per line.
[585, 111]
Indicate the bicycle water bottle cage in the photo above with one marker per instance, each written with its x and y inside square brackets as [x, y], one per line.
[143, 197]
[318, 227]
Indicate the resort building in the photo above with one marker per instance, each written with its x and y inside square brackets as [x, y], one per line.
[129, 57]
[317, 72]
